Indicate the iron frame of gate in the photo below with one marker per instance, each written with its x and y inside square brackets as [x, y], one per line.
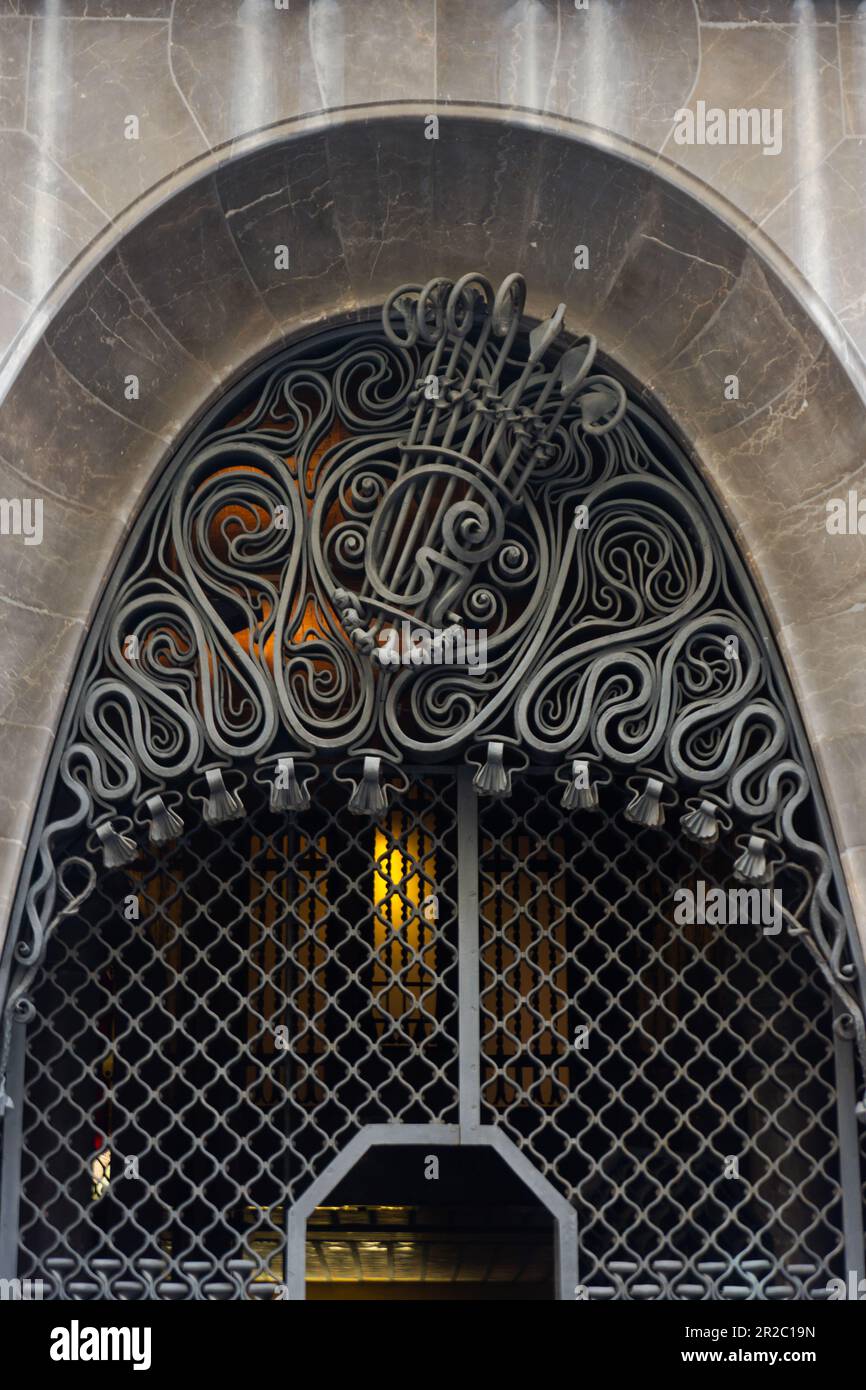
[435, 1136]
[470, 1130]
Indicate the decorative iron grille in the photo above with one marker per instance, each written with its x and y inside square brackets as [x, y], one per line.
[632, 1058]
[283, 985]
[282, 656]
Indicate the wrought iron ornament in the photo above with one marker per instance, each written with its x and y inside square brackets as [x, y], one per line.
[434, 474]
[441, 541]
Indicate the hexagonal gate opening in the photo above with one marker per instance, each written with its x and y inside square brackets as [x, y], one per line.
[428, 1222]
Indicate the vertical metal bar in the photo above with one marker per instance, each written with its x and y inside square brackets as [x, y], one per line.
[469, 1013]
[295, 1273]
[10, 1179]
[849, 1155]
[566, 1256]
[563, 1213]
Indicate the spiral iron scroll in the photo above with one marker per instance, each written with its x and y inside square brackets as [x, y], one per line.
[450, 471]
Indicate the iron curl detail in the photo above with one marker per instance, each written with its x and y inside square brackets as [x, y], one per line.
[451, 480]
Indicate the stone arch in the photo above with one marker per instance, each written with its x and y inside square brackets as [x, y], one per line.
[492, 768]
[679, 288]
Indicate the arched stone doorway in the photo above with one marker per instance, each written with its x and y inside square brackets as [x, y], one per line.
[644, 560]
[681, 289]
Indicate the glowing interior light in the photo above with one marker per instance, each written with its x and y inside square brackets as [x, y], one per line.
[404, 932]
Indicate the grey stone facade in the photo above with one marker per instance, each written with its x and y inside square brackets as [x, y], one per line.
[257, 126]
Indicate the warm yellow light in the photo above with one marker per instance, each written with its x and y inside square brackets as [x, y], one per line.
[396, 890]
[403, 930]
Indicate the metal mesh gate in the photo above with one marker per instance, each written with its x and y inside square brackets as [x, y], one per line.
[630, 1057]
[208, 1030]
[190, 1070]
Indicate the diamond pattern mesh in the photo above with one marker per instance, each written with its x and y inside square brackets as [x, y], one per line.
[283, 986]
[703, 1043]
[190, 1071]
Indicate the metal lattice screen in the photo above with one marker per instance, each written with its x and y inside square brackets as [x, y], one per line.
[702, 1043]
[157, 1039]
[168, 1120]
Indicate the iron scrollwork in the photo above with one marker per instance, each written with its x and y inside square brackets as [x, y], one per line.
[454, 474]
